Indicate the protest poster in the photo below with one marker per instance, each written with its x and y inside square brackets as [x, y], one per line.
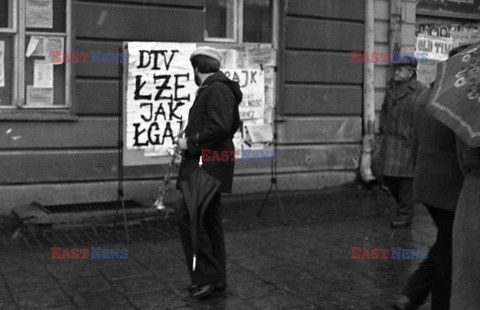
[160, 89]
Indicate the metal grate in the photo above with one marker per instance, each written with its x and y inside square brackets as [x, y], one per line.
[91, 207]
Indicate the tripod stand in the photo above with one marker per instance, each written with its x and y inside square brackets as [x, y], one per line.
[121, 198]
[273, 172]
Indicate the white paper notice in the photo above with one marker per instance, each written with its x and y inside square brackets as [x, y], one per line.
[42, 74]
[54, 44]
[39, 96]
[2, 63]
[39, 14]
[36, 46]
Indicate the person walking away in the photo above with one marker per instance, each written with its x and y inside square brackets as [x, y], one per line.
[437, 182]
[213, 120]
[396, 125]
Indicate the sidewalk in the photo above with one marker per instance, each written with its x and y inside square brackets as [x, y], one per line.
[305, 265]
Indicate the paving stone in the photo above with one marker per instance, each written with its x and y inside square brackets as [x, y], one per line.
[62, 269]
[8, 306]
[101, 300]
[139, 285]
[94, 283]
[156, 300]
[115, 270]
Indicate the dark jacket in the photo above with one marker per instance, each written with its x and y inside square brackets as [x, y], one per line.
[212, 121]
[437, 178]
[396, 124]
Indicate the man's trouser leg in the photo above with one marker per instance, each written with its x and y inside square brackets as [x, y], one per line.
[434, 273]
[210, 264]
[402, 190]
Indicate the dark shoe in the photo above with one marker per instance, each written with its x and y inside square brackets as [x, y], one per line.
[203, 291]
[192, 287]
[404, 303]
[401, 223]
[220, 286]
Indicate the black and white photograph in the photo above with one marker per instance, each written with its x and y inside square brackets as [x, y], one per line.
[240, 154]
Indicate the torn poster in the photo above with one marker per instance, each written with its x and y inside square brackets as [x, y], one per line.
[36, 46]
[39, 14]
[39, 96]
[42, 74]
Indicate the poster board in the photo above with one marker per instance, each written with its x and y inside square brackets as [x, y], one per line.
[159, 89]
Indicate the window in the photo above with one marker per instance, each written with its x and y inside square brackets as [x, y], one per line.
[239, 21]
[29, 31]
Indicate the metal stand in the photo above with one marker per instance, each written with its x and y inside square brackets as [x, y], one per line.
[121, 199]
[273, 173]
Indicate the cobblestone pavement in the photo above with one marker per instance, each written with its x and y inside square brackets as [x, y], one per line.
[304, 265]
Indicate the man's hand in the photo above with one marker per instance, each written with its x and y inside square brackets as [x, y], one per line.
[182, 144]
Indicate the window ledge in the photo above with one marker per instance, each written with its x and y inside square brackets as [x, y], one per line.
[37, 116]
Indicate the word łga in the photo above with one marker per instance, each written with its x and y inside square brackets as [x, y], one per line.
[96, 253]
[247, 155]
[397, 253]
[397, 57]
[96, 57]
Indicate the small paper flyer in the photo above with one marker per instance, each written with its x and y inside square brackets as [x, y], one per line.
[54, 44]
[39, 14]
[39, 96]
[42, 74]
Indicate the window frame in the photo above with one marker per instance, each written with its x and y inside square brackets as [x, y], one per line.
[238, 26]
[18, 108]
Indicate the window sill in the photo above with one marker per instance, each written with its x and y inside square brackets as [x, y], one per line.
[37, 115]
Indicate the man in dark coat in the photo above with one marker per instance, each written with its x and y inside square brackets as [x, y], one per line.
[213, 120]
[396, 123]
[437, 183]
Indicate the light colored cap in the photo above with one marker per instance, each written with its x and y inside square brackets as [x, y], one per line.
[208, 51]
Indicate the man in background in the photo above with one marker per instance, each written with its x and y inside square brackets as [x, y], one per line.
[396, 123]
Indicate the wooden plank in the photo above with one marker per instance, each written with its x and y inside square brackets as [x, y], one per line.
[133, 22]
[102, 165]
[95, 69]
[185, 3]
[297, 130]
[324, 35]
[322, 99]
[101, 132]
[321, 67]
[305, 158]
[99, 97]
[342, 9]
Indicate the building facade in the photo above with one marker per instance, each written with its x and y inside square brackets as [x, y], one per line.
[60, 129]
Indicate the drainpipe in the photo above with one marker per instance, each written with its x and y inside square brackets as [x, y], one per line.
[368, 97]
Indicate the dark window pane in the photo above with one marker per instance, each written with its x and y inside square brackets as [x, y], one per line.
[4, 13]
[257, 21]
[219, 19]
[6, 77]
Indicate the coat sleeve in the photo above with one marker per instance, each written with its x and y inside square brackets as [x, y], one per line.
[382, 126]
[220, 111]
